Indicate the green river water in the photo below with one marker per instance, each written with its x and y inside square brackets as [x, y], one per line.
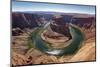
[74, 45]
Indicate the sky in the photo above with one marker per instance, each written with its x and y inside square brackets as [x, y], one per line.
[66, 8]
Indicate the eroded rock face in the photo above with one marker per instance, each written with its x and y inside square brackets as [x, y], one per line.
[16, 31]
[31, 20]
[61, 27]
[24, 20]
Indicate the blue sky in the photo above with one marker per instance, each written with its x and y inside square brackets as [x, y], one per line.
[67, 8]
